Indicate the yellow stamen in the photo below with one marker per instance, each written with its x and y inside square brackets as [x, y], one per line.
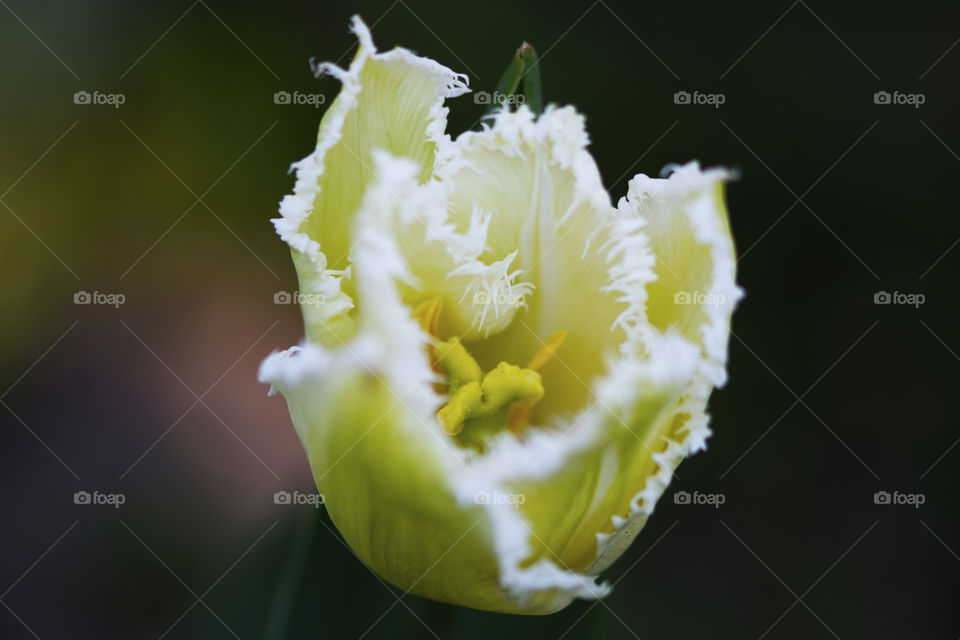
[519, 415]
[458, 364]
[517, 418]
[427, 314]
[508, 390]
[453, 414]
[505, 385]
[546, 350]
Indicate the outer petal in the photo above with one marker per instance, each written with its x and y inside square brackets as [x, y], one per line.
[694, 293]
[695, 289]
[384, 478]
[391, 101]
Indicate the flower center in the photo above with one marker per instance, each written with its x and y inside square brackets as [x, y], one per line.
[483, 404]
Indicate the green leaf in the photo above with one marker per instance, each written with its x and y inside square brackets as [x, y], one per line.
[523, 66]
[510, 79]
[532, 86]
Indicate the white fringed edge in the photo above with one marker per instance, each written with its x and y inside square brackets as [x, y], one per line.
[560, 129]
[683, 182]
[711, 372]
[405, 207]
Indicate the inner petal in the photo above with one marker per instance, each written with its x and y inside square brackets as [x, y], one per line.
[547, 204]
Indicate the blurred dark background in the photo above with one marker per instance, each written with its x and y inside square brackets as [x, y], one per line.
[166, 200]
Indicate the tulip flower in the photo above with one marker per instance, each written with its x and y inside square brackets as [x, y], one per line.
[501, 368]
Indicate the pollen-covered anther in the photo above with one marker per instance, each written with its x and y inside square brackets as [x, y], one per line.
[482, 399]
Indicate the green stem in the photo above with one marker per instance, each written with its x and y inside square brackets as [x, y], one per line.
[291, 579]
